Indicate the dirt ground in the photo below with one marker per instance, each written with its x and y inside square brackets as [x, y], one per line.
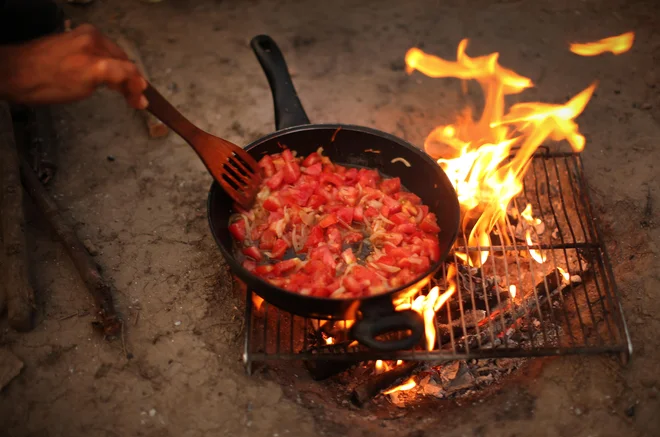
[145, 213]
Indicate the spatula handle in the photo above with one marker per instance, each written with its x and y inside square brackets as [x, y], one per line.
[168, 114]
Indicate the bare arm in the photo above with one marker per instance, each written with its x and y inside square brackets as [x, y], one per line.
[68, 67]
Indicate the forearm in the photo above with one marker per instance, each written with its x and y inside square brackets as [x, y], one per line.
[8, 73]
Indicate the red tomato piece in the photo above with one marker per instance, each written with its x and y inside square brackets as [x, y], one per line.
[315, 237]
[288, 155]
[253, 253]
[348, 195]
[352, 285]
[276, 180]
[400, 218]
[353, 237]
[358, 213]
[316, 201]
[257, 231]
[346, 215]
[331, 178]
[394, 238]
[429, 224]
[314, 170]
[291, 172]
[388, 260]
[238, 230]
[392, 204]
[272, 203]
[266, 165]
[328, 220]
[286, 265]
[390, 186]
[267, 240]
[368, 178]
[279, 248]
[265, 270]
[405, 228]
[311, 159]
[431, 248]
[351, 176]
[404, 276]
[371, 212]
[334, 239]
[410, 197]
[249, 265]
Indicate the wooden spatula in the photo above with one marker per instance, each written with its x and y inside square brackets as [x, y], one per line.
[232, 167]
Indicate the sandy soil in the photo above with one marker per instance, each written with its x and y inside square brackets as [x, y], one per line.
[145, 213]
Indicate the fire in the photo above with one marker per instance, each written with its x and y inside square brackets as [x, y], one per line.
[329, 340]
[410, 383]
[512, 291]
[537, 255]
[257, 301]
[527, 215]
[565, 274]
[486, 170]
[615, 44]
[428, 305]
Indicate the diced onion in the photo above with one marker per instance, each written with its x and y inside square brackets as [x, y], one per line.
[338, 292]
[402, 160]
[385, 267]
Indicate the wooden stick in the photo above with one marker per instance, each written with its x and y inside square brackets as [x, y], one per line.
[364, 392]
[155, 127]
[19, 292]
[89, 272]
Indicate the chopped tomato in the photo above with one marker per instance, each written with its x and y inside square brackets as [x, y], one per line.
[279, 248]
[410, 197]
[266, 164]
[287, 265]
[238, 230]
[257, 231]
[276, 180]
[429, 224]
[358, 213]
[272, 204]
[334, 239]
[316, 201]
[351, 176]
[331, 178]
[387, 260]
[353, 237]
[348, 195]
[314, 170]
[400, 218]
[352, 285]
[315, 237]
[392, 204]
[390, 186]
[267, 240]
[265, 270]
[431, 248]
[291, 172]
[406, 228]
[346, 215]
[368, 178]
[328, 220]
[311, 159]
[253, 253]
[249, 265]
[371, 212]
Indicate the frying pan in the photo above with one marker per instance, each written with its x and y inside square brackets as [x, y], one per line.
[353, 146]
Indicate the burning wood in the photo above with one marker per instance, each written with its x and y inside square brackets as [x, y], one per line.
[376, 384]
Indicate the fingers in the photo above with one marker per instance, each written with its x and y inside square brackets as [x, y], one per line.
[122, 76]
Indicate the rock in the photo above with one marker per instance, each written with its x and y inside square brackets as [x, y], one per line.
[630, 411]
[90, 247]
[10, 367]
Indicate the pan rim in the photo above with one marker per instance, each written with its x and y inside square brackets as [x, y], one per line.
[235, 265]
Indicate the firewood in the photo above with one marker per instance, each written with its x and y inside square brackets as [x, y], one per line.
[18, 291]
[89, 271]
[374, 385]
[155, 127]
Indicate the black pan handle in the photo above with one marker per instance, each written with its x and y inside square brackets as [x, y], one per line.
[366, 330]
[288, 109]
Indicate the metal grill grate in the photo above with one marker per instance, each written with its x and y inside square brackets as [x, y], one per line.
[549, 315]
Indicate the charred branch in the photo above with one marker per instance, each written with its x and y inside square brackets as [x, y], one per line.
[374, 385]
[89, 272]
[320, 369]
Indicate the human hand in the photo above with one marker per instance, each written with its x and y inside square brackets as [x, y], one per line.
[68, 67]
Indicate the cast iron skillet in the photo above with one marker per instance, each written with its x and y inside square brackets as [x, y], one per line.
[348, 145]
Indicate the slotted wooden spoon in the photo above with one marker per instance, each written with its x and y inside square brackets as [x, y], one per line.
[232, 167]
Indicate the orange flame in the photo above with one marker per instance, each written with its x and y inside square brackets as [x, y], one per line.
[615, 44]
[512, 291]
[410, 383]
[565, 274]
[483, 178]
[329, 340]
[257, 301]
[428, 305]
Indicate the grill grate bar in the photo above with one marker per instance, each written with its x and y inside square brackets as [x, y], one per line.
[548, 316]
